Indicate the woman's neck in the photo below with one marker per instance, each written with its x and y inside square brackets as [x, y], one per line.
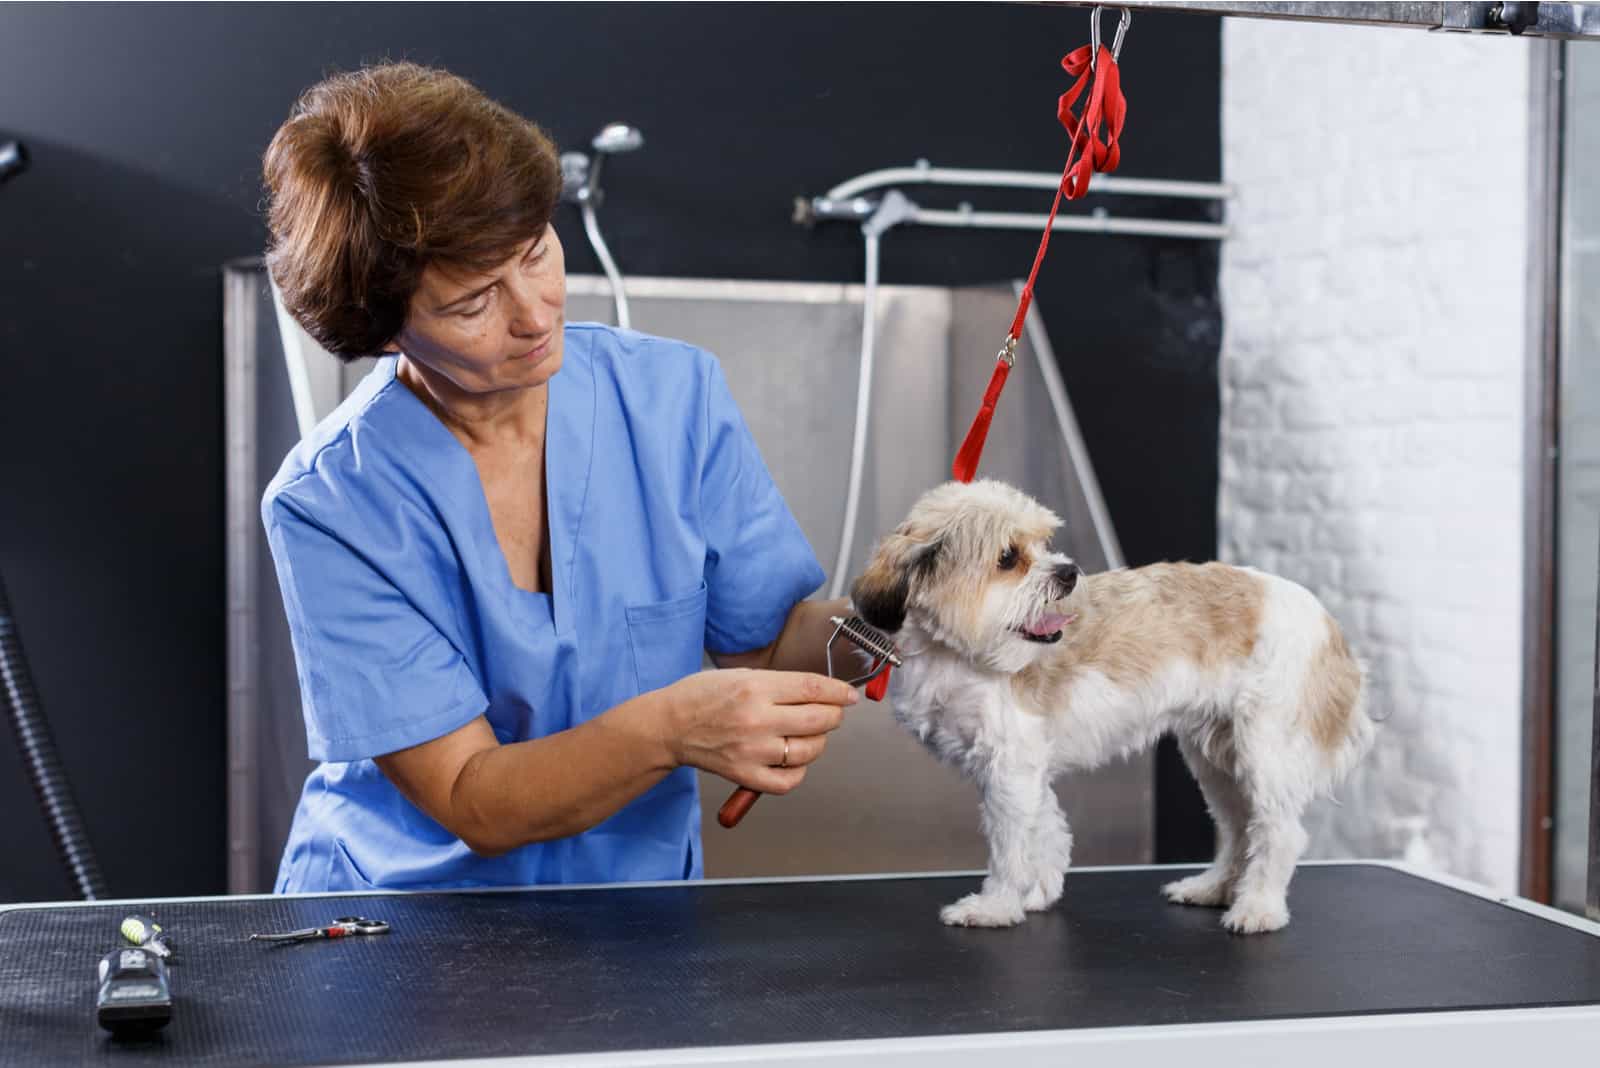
[502, 417]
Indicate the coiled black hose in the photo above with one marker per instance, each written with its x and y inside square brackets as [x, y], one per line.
[40, 760]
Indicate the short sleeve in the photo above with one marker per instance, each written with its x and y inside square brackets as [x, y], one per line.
[376, 675]
[758, 561]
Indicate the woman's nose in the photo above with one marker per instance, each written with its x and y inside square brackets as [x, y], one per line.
[534, 312]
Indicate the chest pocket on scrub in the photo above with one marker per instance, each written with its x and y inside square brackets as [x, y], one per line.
[667, 638]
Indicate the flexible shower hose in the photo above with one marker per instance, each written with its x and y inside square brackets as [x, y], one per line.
[893, 209]
[41, 762]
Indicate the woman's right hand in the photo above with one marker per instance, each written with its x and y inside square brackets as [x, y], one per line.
[735, 722]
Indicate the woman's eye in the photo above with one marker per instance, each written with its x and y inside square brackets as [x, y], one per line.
[473, 313]
[1008, 559]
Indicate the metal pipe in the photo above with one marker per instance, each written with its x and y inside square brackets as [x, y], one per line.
[1540, 469]
[1568, 21]
[1067, 423]
[926, 174]
[855, 208]
[1093, 224]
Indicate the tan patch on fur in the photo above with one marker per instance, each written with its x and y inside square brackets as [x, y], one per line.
[881, 575]
[1131, 622]
[1332, 689]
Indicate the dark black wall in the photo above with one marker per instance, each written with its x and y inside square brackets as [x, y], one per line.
[146, 124]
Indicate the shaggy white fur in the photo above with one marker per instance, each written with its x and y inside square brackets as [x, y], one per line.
[1018, 669]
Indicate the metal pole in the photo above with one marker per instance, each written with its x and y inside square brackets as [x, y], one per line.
[1568, 21]
[1592, 902]
[1541, 414]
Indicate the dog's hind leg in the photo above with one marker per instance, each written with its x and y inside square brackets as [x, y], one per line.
[1274, 840]
[1214, 887]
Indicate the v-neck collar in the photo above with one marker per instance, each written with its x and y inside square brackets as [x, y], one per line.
[568, 461]
[447, 467]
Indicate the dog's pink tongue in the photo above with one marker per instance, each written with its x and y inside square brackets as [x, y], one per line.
[1048, 623]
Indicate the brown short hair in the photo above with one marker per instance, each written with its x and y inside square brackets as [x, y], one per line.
[378, 173]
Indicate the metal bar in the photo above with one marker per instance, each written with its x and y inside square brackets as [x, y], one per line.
[241, 296]
[1563, 21]
[1592, 899]
[859, 209]
[1072, 437]
[1093, 224]
[924, 173]
[1541, 428]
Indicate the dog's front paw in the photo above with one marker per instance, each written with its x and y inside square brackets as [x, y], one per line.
[1046, 892]
[1206, 890]
[1254, 915]
[984, 910]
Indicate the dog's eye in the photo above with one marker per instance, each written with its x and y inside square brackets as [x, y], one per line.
[1008, 559]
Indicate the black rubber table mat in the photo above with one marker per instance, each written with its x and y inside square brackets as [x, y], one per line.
[567, 971]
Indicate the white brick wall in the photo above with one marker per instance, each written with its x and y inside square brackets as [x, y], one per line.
[1372, 364]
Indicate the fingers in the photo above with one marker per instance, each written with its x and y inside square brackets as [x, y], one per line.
[803, 749]
[774, 777]
[805, 719]
[806, 688]
[772, 780]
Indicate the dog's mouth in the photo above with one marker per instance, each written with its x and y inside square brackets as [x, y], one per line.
[1046, 629]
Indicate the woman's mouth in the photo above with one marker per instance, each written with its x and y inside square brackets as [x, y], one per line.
[538, 352]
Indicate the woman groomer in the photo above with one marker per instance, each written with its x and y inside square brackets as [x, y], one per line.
[503, 555]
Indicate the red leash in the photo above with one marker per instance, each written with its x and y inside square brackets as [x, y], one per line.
[1095, 132]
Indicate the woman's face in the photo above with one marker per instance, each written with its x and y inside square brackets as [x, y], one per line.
[492, 331]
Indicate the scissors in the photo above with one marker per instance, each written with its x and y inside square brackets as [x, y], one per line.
[339, 928]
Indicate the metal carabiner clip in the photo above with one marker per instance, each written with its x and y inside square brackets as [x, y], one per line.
[1123, 22]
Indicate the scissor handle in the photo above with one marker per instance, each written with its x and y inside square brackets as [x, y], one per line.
[361, 925]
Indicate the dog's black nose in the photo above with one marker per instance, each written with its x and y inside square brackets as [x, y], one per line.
[1067, 576]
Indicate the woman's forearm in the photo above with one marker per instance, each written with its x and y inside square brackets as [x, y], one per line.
[564, 783]
[803, 644]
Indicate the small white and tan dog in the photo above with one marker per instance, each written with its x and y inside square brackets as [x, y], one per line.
[1018, 669]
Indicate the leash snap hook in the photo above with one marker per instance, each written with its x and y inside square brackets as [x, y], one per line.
[1008, 352]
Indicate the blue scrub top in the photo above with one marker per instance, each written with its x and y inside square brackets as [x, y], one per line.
[667, 537]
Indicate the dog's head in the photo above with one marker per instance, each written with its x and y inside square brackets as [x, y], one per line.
[971, 566]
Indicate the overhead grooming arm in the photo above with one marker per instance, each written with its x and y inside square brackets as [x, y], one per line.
[849, 200]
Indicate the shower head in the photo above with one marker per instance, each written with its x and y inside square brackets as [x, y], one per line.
[574, 177]
[584, 172]
[617, 137]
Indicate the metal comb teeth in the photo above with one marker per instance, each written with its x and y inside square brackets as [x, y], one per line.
[868, 638]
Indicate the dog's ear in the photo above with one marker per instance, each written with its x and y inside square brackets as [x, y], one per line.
[880, 593]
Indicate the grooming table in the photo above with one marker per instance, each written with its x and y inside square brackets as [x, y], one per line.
[1378, 961]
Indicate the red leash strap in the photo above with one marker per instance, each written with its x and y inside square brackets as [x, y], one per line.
[1094, 147]
[966, 464]
[878, 685]
[1095, 134]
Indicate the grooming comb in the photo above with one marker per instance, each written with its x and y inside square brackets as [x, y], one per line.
[869, 639]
